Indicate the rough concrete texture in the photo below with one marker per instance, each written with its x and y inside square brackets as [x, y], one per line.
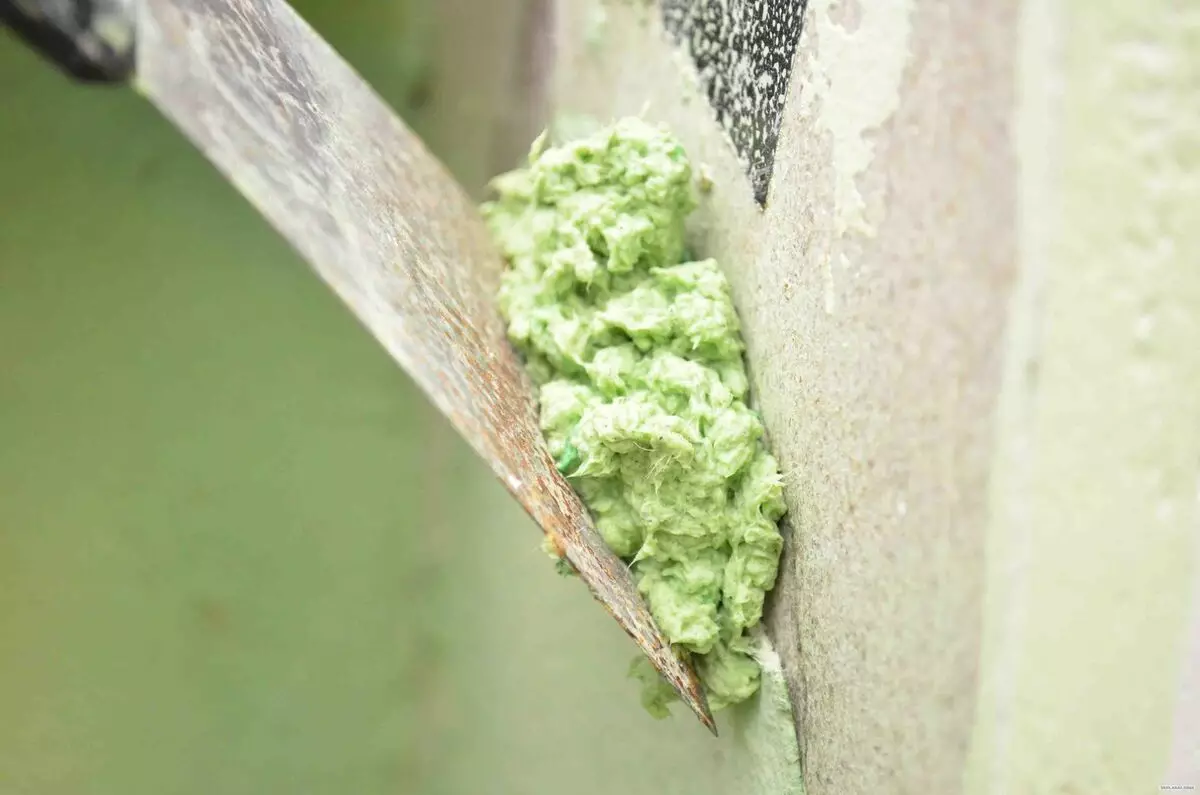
[872, 323]
[970, 309]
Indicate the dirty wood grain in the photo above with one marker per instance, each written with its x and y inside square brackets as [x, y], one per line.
[324, 159]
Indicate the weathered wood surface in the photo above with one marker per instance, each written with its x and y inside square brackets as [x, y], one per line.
[334, 170]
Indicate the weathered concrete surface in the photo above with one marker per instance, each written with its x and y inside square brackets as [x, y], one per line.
[872, 288]
[970, 304]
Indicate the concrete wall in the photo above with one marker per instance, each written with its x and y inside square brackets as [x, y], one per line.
[972, 305]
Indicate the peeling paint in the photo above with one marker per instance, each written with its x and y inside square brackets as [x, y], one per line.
[860, 56]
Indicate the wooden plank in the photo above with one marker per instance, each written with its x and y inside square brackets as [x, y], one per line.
[317, 152]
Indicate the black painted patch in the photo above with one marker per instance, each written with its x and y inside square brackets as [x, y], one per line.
[743, 51]
[71, 36]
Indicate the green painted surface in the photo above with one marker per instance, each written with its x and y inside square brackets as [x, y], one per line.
[1092, 548]
[238, 553]
[209, 560]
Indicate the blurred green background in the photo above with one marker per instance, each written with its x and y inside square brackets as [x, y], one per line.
[238, 552]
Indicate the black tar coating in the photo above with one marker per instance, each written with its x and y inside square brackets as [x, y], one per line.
[743, 51]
